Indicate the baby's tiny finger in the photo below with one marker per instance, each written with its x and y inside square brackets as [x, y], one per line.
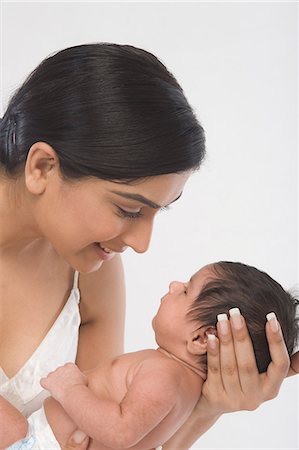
[43, 382]
[78, 441]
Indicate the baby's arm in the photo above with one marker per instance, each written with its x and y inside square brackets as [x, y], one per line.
[13, 426]
[151, 396]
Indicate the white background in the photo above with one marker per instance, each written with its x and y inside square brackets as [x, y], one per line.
[237, 65]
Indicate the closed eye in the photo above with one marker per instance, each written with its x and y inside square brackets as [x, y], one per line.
[129, 214]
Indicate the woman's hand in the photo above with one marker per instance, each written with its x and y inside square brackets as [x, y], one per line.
[233, 382]
[78, 441]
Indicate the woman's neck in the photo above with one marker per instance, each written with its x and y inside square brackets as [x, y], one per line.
[17, 229]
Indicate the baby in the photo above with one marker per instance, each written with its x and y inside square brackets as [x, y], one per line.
[138, 400]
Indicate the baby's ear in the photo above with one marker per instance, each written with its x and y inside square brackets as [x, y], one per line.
[197, 342]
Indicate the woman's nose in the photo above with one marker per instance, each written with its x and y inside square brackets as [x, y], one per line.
[139, 237]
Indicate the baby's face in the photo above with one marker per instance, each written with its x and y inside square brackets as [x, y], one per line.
[170, 323]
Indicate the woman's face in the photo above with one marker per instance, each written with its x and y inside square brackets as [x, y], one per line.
[73, 217]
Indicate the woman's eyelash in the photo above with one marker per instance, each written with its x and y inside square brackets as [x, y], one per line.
[135, 215]
[128, 214]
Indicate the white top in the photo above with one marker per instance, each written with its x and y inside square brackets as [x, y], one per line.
[58, 347]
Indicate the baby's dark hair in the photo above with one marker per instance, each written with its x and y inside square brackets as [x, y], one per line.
[256, 294]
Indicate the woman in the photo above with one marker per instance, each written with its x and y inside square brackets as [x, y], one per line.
[97, 140]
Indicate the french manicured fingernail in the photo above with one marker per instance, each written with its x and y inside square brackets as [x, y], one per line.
[223, 323]
[212, 341]
[235, 317]
[79, 436]
[271, 317]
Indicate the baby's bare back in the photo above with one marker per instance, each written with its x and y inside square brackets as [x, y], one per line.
[113, 380]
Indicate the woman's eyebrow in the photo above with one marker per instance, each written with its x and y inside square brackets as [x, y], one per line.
[142, 199]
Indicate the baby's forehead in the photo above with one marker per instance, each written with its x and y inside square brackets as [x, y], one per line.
[202, 276]
[204, 271]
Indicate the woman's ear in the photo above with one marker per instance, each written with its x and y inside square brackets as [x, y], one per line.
[40, 162]
[197, 342]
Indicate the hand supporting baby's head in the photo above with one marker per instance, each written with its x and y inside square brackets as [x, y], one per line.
[255, 293]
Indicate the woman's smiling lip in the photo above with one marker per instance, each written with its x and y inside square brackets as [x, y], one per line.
[106, 255]
[103, 246]
[102, 254]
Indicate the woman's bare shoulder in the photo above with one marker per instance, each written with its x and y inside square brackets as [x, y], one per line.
[102, 310]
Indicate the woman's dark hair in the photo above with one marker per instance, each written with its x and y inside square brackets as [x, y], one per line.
[256, 294]
[109, 111]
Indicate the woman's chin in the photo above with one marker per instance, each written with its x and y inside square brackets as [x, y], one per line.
[85, 261]
[87, 267]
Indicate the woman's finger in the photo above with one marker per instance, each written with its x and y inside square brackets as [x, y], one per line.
[213, 365]
[213, 387]
[78, 441]
[246, 362]
[228, 363]
[213, 398]
[279, 366]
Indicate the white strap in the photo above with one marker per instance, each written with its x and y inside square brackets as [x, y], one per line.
[76, 278]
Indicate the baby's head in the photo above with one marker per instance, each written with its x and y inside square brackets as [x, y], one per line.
[232, 284]
[188, 312]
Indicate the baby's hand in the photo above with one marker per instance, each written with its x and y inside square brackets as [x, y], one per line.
[63, 379]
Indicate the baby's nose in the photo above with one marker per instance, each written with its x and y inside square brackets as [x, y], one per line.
[175, 286]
